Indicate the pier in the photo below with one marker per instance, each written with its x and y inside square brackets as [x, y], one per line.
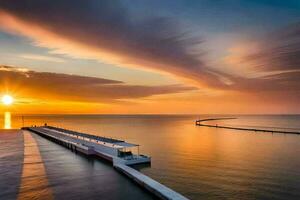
[200, 123]
[118, 152]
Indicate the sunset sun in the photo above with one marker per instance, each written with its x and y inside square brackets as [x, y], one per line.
[7, 100]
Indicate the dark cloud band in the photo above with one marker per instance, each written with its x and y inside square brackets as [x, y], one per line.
[45, 85]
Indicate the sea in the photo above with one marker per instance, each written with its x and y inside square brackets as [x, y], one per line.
[198, 162]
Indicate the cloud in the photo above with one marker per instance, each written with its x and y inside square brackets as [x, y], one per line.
[42, 58]
[270, 63]
[278, 50]
[54, 86]
[107, 31]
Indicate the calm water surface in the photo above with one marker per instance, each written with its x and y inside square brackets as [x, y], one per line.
[201, 162]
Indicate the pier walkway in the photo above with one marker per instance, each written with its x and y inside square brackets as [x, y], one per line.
[32, 167]
[151, 185]
[111, 150]
[200, 123]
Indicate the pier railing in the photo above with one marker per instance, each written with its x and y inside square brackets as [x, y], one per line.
[95, 137]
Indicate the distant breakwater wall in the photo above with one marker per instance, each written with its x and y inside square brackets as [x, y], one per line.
[200, 123]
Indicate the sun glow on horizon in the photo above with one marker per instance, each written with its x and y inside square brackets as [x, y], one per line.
[7, 99]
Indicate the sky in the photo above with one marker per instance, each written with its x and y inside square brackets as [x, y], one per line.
[150, 57]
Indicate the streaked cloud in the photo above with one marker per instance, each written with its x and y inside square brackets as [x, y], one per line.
[107, 31]
[268, 63]
[13, 69]
[42, 58]
[278, 50]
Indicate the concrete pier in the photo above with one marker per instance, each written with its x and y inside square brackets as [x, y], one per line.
[88, 145]
[33, 167]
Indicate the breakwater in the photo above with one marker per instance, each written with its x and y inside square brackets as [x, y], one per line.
[200, 123]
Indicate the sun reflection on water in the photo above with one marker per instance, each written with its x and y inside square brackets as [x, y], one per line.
[7, 120]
